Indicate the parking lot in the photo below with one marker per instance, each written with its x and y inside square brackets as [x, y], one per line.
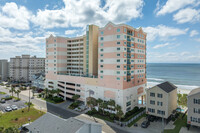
[20, 104]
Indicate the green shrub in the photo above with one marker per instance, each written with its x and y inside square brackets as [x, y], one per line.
[112, 116]
[57, 99]
[173, 118]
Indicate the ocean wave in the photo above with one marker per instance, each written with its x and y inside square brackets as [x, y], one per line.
[189, 87]
[155, 79]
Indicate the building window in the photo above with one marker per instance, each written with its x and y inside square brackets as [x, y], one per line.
[101, 60]
[101, 55]
[196, 101]
[101, 77]
[118, 66]
[128, 103]
[118, 54]
[160, 112]
[118, 48]
[101, 38]
[101, 49]
[151, 110]
[101, 66]
[118, 60]
[159, 103]
[101, 44]
[101, 71]
[125, 30]
[118, 36]
[118, 30]
[101, 32]
[118, 42]
[152, 94]
[159, 95]
[118, 72]
[152, 102]
[118, 78]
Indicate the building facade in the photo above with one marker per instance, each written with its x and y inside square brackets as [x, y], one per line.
[4, 70]
[114, 65]
[193, 117]
[161, 100]
[22, 68]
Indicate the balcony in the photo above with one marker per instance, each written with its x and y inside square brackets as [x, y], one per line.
[128, 39]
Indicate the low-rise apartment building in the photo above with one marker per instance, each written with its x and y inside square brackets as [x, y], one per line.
[38, 80]
[161, 100]
[193, 103]
[22, 68]
[107, 63]
[4, 70]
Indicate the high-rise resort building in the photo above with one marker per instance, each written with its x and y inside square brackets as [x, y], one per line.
[23, 68]
[107, 63]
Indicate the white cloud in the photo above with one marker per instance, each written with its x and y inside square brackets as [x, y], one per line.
[161, 45]
[79, 13]
[4, 32]
[193, 33]
[70, 32]
[163, 32]
[174, 5]
[198, 39]
[187, 15]
[13, 16]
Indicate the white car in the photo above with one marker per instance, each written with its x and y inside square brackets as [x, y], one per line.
[14, 107]
[8, 109]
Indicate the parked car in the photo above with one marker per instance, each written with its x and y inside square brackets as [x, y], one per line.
[151, 118]
[8, 109]
[14, 107]
[145, 124]
[3, 101]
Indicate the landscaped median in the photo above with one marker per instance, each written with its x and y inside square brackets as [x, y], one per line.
[16, 119]
[114, 117]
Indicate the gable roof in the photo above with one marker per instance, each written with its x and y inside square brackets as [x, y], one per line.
[194, 91]
[167, 86]
[50, 123]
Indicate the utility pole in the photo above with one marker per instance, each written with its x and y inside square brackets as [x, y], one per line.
[29, 100]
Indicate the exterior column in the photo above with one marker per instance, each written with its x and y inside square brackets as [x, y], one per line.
[142, 100]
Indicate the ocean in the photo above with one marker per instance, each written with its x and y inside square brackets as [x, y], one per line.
[185, 76]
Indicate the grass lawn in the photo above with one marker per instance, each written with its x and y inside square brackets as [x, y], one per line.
[179, 123]
[2, 92]
[17, 118]
[136, 120]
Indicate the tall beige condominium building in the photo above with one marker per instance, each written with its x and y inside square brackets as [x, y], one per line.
[193, 117]
[22, 68]
[4, 66]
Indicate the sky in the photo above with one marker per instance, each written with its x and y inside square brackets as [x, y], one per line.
[172, 26]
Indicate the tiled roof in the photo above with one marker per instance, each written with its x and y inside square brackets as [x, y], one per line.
[167, 86]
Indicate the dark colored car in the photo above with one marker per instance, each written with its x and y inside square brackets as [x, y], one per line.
[151, 118]
[3, 101]
[145, 124]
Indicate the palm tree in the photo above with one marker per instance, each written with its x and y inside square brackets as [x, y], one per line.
[104, 105]
[99, 102]
[46, 91]
[58, 92]
[120, 114]
[75, 97]
[12, 90]
[17, 92]
[91, 102]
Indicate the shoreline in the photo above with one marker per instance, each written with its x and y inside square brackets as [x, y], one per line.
[182, 89]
